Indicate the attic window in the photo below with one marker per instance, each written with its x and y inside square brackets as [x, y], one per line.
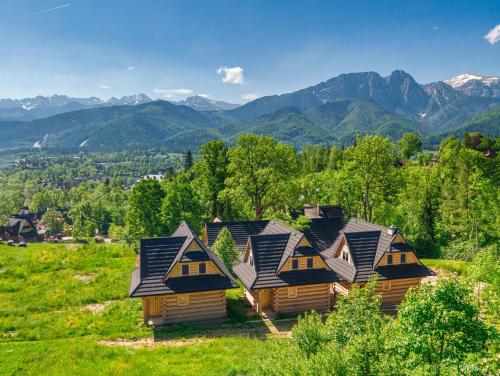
[295, 264]
[389, 259]
[202, 268]
[251, 260]
[185, 269]
[310, 262]
[345, 255]
[402, 258]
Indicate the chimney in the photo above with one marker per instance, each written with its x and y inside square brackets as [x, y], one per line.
[391, 230]
[310, 211]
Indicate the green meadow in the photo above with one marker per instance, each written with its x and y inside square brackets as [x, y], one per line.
[64, 310]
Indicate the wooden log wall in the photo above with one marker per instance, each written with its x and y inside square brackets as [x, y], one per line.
[307, 297]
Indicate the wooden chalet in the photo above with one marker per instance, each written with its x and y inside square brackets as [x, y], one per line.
[283, 270]
[22, 227]
[180, 279]
[364, 249]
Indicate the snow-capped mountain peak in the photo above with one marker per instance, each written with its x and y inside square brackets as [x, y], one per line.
[462, 79]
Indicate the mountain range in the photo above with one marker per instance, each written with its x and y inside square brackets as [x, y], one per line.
[331, 112]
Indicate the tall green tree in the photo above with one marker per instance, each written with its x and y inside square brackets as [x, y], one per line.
[370, 167]
[144, 217]
[181, 202]
[264, 171]
[212, 170]
[225, 248]
[54, 221]
[409, 145]
[440, 326]
[188, 160]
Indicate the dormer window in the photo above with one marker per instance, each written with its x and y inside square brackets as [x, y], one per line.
[345, 255]
[185, 269]
[402, 258]
[310, 263]
[202, 268]
[251, 260]
[295, 264]
[389, 259]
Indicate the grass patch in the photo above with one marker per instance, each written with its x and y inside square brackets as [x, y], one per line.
[456, 266]
[46, 325]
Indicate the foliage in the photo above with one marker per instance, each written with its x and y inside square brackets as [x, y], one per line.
[54, 221]
[225, 248]
[439, 325]
[145, 200]
[181, 203]
[409, 145]
[263, 170]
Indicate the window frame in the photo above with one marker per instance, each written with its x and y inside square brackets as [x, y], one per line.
[204, 264]
[295, 264]
[402, 258]
[185, 267]
[310, 263]
[292, 292]
[390, 260]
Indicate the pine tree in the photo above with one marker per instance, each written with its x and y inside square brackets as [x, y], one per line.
[188, 160]
[225, 248]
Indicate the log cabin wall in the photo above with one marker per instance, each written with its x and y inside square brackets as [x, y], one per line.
[393, 291]
[194, 268]
[396, 258]
[301, 298]
[318, 263]
[186, 307]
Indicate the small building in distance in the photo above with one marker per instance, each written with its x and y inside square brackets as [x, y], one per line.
[22, 227]
[179, 279]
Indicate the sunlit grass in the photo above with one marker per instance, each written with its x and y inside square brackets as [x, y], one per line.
[46, 326]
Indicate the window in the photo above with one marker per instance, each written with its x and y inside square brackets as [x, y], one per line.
[202, 268]
[345, 256]
[292, 292]
[389, 259]
[183, 299]
[295, 264]
[185, 269]
[251, 260]
[310, 263]
[403, 258]
[386, 286]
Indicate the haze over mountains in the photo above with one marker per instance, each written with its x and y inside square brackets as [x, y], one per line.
[331, 112]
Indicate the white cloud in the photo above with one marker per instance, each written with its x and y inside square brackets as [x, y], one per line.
[232, 75]
[250, 96]
[173, 91]
[106, 87]
[132, 67]
[493, 35]
[204, 95]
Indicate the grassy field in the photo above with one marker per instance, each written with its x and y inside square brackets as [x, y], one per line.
[63, 308]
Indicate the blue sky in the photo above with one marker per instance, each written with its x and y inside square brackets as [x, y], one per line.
[234, 50]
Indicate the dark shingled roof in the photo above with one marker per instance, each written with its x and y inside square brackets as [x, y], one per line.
[323, 232]
[158, 255]
[240, 231]
[270, 250]
[331, 211]
[367, 244]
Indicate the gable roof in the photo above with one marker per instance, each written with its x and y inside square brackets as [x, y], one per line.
[270, 250]
[240, 231]
[367, 243]
[157, 257]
